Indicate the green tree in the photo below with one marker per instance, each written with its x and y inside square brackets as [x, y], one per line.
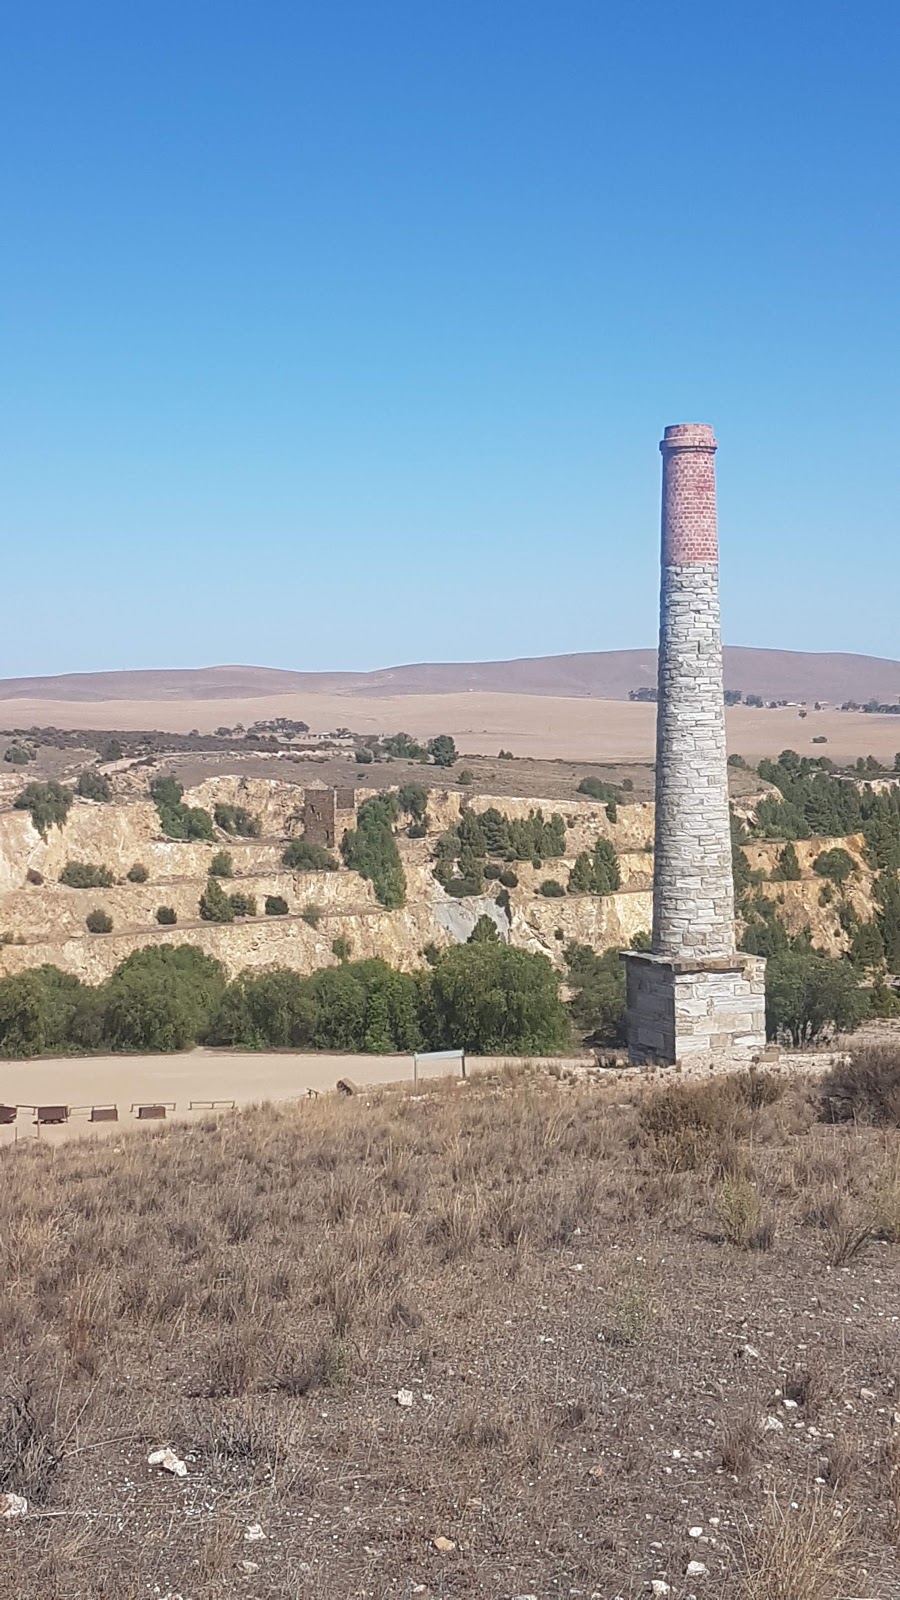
[166, 916]
[809, 996]
[551, 888]
[98, 921]
[36, 1010]
[177, 820]
[267, 1010]
[596, 789]
[371, 850]
[788, 868]
[597, 873]
[836, 864]
[413, 799]
[485, 931]
[222, 865]
[215, 904]
[137, 873]
[94, 785]
[48, 803]
[597, 982]
[301, 855]
[276, 906]
[492, 999]
[341, 948]
[163, 997]
[442, 750]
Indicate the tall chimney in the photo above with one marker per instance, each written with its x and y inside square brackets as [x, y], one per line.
[694, 994]
[693, 887]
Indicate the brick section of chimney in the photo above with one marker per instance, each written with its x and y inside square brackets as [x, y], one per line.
[689, 531]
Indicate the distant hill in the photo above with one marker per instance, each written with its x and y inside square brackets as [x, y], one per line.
[604, 674]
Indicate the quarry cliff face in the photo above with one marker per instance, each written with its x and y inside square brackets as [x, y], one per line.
[42, 920]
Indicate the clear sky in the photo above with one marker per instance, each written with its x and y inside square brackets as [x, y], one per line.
[340, 333]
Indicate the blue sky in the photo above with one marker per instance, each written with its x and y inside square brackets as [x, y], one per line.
[341, 334]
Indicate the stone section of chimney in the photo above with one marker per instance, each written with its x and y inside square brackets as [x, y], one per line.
[693, 892]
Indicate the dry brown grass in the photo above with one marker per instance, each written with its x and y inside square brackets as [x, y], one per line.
[567, 1276]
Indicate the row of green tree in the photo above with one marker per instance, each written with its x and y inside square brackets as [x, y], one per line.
[484, 997]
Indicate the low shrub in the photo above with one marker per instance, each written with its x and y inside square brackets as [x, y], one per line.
[215, 904]
[551, 889]
[166, 916]
[596, 789]
[86, 875]
[221, 866]
[18, 755]
[98, 921]
[342, 948]
[276, 905]
[93, 785]
[865, 1087]
[301, 855]
[138, 873]
[508, 879]
[243, 905]
[237, 819]
[836, 864]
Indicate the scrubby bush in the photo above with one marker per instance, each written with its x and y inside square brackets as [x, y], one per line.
[177, 820]
[788, 867]
[215, 904]
[48, 803]
[371, 850]
[342, 948]
[86, 875]
[222, 865]
[551, 888]
[166, 916]
[465, 776]
[98, 921]
[442, 750]
[243, 905]
[18, 755]
[138, 873]
[509, 879]
[94, 785]
[276, 906]
[301, 855]
[865, 1087]
[236, 820]
[597, 790]
[485, 931]
[110, 750]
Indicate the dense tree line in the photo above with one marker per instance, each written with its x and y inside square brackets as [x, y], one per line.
[462, 853]
[371, 849]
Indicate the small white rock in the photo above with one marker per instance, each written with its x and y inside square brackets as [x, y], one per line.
[253, 1532]
[772, 1425]
[13, 1505]
[659, 1588]
[696, 1569]
[404, 1397]
[867, 1394]
[695, 1533]
[169, 1461]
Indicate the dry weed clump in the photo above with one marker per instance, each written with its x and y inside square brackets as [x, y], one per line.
[801, 1550]
[530, 1260]
[865, 1087]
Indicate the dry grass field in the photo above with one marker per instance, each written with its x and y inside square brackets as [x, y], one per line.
[638, 1326]
[537, 725]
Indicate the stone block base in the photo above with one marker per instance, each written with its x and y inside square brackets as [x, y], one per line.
[679, 1008]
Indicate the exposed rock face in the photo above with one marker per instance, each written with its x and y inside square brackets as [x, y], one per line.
[47, 920]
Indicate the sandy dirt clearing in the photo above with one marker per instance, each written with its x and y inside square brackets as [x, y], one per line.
[247, 1078]
[542, 726]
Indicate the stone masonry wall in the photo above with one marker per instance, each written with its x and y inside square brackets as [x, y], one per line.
[694, 897]
[681, 1010]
